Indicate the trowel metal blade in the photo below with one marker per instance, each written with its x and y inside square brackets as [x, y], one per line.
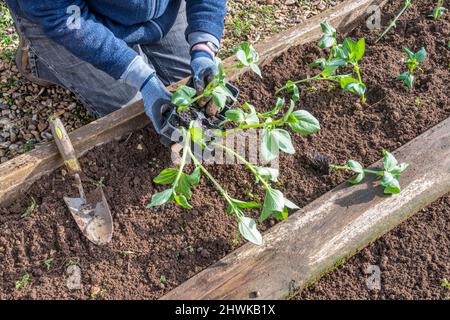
[94, 220]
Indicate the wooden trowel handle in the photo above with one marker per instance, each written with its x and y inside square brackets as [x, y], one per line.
[64, 145]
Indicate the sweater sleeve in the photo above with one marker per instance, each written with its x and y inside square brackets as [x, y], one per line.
[71, 24]
[205, 20]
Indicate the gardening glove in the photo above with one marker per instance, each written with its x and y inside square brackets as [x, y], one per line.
[203, 68]
[156, 98]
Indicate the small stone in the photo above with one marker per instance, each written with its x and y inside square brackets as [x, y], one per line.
[139, 147]
[254, 294]
[290, 2]
[205, 253]
[13, 147]
[5, 145]
[42, 126]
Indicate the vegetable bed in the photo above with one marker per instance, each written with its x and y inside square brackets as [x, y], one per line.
[154, 250]
[414, 264]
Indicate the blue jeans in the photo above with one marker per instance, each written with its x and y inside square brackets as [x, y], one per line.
[100, 93]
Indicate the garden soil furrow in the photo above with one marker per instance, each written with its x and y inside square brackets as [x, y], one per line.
[155, 250]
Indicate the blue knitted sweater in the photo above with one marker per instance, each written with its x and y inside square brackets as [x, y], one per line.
[101, 31]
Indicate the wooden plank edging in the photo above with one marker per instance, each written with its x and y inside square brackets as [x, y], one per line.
[19, 173]
[335, 226]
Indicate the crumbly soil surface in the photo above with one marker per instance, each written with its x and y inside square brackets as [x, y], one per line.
[154, 250]
[413, 260]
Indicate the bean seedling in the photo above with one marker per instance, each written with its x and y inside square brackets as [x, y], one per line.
[389, 175]
[217, 90]
[30, 209]
[350, 52]
[439, 10]
[48, 263]
[413, 61]
[393, 23]
[275, 140]
[23, 281]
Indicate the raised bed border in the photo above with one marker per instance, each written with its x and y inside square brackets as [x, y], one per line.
[346, 218]
[17, 175]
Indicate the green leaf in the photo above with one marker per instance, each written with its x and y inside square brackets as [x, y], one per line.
[235, 115]
[397, 171]
[167, 176]
[357, 168]
[184, 186]
[247, 228]
[294, 91]
[326, 41]
[327, 28]
[246, 54]
[268, 173]
[246, 205]
[357, 88]
[290, 205]
[321, 63]
[269, 147]
[183, 96]
[360, 49]
[390, 184]
[303, 122]
[256, 69]
[409, 53]
[421, 55]
[220, 95]
[252, 117]
[194, 177]
[160, 198]
[283, 140]
[389, 161]
[278, 105]
[345, 81]
[182, 201]
[197, 135]
[407, 78]
[273, 202]
[329, 35]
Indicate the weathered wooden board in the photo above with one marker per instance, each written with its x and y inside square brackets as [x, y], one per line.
[335, 226]
[19, 173]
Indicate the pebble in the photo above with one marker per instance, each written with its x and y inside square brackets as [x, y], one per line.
[5, 145]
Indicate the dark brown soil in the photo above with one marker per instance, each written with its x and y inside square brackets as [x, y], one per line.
[413, 259]
[177, 243]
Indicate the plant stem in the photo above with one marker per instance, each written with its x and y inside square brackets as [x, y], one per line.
[253, 126]
[186, 148]
[358, 73]
[216, 184]
[247, 164]
[315, 78]
[231, 68]
[378, 173]
[338, 167]
[393, 22]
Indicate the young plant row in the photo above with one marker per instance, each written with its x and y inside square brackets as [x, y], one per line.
[342, 55]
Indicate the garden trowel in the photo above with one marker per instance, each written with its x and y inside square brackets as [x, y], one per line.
[91, 212]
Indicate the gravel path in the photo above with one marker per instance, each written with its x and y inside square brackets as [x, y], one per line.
[25, 107]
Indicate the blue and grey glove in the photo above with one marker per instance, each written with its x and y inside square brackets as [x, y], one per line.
[155, 96]
[203, 69]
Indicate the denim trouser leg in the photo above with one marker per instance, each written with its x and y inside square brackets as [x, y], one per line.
[100, 93]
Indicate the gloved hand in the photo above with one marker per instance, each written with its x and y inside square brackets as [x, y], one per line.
[154, 94]
[203, 69]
